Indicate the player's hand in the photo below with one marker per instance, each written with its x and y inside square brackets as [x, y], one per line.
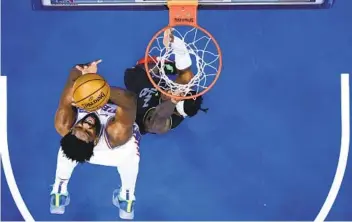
[91, 68]
[168, 37]
[173, 100]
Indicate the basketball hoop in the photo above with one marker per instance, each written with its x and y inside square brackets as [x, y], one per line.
[199, 43]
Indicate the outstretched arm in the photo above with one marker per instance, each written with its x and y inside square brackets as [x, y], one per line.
[183, 59]
[127, 105]
[66, 114]
[183, 63]
[120, 129]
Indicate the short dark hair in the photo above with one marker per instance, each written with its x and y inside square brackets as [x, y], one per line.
[192, 106]
[76, 149]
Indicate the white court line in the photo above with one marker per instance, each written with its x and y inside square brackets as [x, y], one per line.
[0, 121]
[5, 154]
[345, 145]
[340, 171]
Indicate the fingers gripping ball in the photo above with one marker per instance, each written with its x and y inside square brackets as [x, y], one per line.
[91, 92]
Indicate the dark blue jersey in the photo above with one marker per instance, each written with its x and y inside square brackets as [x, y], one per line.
[137, 81]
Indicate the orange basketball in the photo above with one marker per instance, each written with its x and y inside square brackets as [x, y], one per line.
[91, 92]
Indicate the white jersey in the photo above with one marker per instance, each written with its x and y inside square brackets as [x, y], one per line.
[125, 157]
[103, 147]
[104, 114]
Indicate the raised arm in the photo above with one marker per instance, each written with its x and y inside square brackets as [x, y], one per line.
[183, 61]
[120, 128]
[161, 119]
[66, 114]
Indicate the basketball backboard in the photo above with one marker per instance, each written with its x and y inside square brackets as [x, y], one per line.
[63, 3]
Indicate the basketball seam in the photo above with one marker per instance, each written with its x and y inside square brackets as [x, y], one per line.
[92, 93]
[85, 83]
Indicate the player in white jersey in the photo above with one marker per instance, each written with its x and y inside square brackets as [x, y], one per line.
[107, 137]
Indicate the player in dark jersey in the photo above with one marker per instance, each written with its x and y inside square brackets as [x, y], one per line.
[156, 113]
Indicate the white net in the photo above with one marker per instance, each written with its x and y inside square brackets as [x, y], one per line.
[205, 61]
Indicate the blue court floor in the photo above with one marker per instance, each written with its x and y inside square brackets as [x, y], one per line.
[266, 150]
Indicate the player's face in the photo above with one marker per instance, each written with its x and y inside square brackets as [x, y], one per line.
[85, 129]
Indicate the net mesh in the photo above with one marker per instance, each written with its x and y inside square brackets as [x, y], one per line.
[205, 61]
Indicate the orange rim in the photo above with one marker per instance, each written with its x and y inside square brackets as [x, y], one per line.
[182, 13]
